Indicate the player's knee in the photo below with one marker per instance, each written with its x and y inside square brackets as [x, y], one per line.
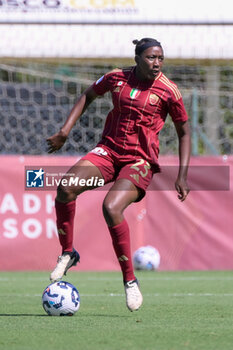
[65, 194]
[111, 210]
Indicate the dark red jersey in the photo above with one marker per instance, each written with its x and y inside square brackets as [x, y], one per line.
[139, 112]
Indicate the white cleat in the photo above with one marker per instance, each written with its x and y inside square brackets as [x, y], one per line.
[59, 270]
[134, 297]
[64, 262]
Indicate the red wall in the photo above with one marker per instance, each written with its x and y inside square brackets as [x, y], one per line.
[195, 234]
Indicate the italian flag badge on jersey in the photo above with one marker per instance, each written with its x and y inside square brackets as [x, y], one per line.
[134, 93]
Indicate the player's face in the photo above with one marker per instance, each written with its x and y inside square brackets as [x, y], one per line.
[149, 63]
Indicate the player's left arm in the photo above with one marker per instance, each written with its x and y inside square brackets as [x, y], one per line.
[183, 133]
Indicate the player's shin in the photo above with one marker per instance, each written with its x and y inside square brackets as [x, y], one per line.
[121, 244]
[65, 224]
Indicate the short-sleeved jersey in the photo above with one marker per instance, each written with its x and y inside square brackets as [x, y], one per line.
[139, 112]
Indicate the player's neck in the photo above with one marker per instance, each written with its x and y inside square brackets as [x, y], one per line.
[141, 77]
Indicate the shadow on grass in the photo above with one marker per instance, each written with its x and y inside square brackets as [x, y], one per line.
[83, 315]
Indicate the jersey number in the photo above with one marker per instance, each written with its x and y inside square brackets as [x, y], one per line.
[146, 167]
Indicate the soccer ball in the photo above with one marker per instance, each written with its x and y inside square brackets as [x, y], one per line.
[61, 299]
[146, 258]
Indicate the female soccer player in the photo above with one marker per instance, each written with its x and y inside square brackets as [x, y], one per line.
[126, 155]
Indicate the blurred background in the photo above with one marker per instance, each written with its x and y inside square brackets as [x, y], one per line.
[50, 52]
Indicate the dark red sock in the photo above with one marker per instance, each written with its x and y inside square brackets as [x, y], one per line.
[121, 243]
[65, 224]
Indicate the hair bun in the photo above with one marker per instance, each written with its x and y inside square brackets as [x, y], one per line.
[135, 42]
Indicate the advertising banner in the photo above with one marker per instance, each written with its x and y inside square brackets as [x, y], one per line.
[195, 234]
[113, 11]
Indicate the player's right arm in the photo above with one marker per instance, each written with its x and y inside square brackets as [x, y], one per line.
[56, 141]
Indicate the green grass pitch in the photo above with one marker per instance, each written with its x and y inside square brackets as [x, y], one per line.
[181, 310]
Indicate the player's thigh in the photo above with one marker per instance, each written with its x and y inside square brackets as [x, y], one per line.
[85, 169]
[121, 194]
[82, 176]
[139, 173]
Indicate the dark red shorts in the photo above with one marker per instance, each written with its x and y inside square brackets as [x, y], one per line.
[114, 166]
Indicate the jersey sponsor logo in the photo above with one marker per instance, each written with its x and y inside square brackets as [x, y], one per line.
[100, 151]
[117, 89]
[134, 93]
[153, 98]
[99, 80]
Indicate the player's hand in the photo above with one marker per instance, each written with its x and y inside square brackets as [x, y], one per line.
[56, 142]
[182, 189]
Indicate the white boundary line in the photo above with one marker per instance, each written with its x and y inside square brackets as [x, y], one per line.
[102, 295]
[142, 278]
[168, 278]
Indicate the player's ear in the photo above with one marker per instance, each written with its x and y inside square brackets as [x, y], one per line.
[136, 59]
